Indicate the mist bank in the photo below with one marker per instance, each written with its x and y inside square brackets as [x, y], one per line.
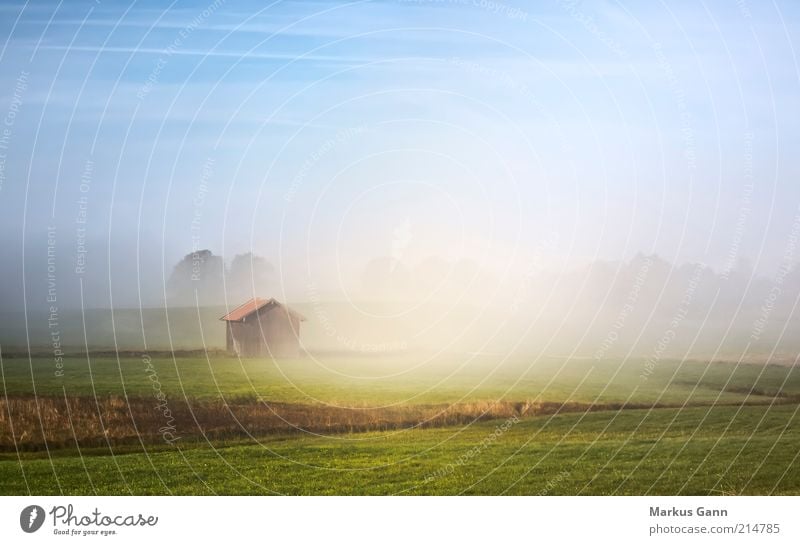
[645, 308]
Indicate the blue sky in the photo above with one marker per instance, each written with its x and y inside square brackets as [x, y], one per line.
[313, 132]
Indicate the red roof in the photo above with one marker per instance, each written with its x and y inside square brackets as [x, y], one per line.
[253, 305]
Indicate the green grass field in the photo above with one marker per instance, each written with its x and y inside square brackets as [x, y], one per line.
[727, 429]
[400, 380]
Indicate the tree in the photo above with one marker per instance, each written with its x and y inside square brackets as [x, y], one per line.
[249, 276]
[197, 278]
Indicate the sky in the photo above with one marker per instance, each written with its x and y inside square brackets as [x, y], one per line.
[325, 135]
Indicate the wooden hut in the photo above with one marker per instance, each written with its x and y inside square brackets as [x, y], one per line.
[263, 328]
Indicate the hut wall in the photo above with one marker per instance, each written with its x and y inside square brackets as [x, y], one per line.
[273, 332]
[280, 330]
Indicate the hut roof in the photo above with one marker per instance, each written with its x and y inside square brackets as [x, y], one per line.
[254, 305]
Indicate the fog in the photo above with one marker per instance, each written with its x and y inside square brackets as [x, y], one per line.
[411, 176]
[644, 307]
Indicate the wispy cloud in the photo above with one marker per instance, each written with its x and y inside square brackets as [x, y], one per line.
[211, 53]
[251, 27]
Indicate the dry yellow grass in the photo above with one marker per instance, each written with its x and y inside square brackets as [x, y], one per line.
[28, 422]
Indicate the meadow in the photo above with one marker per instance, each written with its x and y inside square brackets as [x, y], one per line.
[333, 424]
